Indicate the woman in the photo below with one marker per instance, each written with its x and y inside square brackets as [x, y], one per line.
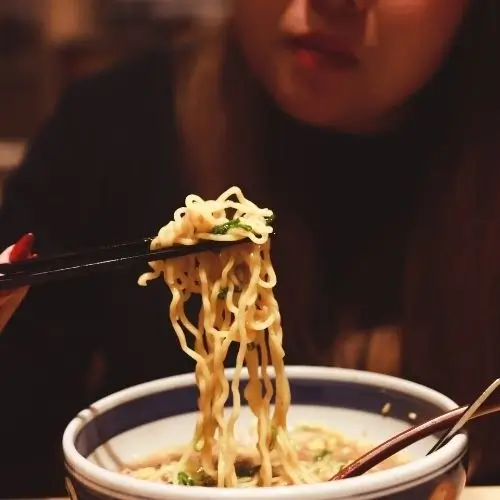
[369, 126]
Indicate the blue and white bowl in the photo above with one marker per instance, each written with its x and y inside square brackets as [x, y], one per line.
[148, 418]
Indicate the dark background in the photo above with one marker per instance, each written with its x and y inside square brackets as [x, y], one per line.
[46, 44]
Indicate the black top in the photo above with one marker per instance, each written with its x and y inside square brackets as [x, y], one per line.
[105, 168]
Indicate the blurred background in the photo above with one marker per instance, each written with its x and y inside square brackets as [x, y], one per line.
[46, 44]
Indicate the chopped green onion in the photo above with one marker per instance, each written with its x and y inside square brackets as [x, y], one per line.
[321, 455]
[230, 224]
[223, 293]
[185, 479]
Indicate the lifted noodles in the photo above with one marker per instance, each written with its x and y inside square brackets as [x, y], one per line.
[238, 305]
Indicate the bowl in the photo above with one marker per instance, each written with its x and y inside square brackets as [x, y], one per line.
[147, 418]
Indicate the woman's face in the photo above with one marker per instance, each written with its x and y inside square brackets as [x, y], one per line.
[346, 64]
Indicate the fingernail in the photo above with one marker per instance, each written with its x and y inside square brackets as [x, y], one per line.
[22, 249]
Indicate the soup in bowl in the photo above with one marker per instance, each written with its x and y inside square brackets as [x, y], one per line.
[133, 444]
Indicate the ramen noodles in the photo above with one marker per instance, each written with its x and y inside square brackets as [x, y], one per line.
[321, 451]
[238, 307]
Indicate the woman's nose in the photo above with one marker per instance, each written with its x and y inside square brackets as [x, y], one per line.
[342, 11]
[301, 15]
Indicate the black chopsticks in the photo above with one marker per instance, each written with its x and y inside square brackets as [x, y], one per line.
[69, 265]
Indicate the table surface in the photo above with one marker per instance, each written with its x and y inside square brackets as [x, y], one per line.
[477, 493]
[482, 493]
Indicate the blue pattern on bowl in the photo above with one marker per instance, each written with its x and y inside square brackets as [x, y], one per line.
[447, 486]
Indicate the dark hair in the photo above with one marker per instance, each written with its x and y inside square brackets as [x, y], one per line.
[452, 328]
[451, 332]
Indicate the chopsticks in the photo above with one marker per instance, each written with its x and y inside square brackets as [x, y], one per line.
[45, 269]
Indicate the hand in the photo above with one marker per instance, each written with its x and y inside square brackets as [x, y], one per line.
[11, 299]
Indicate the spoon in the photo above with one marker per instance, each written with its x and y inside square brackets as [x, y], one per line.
[455, 419]
[471, 410]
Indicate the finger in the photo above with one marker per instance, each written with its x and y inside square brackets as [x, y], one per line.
[22, 249]
[5, 295]
[9, 307]
[19, 251]
[5, 255]
[15, 253]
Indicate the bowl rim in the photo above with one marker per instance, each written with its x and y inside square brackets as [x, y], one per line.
[387, 481]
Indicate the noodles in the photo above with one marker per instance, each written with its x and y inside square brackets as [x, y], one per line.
[322, 452]
[237, 307]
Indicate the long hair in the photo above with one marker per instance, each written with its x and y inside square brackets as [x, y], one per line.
[452, 337]
[451, 330]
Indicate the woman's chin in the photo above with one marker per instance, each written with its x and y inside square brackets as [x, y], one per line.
[310, 109]
[337, 117]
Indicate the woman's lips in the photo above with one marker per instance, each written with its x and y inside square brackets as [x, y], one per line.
[322, 52]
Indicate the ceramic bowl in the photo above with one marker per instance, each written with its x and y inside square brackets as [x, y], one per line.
[150, 417]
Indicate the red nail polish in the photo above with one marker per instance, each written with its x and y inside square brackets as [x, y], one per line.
[22, 249]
